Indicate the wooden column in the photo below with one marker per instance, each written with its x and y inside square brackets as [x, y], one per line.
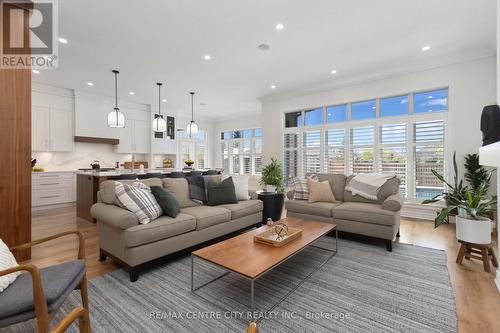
[15, 150]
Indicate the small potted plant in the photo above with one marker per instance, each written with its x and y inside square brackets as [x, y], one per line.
[272, 177]
[472, 206]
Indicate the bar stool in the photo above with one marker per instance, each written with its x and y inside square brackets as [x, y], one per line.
[211, 172]
[176, 174]
[127, 176]
[153, 175]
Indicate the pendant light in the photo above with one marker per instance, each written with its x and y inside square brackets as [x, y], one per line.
[159, 124]
[116, 119]
[192, 127]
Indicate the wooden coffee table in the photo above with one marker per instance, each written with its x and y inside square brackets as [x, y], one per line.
[242, 256]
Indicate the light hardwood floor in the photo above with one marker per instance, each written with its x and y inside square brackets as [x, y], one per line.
[476, 296]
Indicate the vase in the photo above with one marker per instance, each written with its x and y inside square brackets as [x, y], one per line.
[474, 231]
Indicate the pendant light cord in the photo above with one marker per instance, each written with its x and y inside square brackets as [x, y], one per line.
[192, 106]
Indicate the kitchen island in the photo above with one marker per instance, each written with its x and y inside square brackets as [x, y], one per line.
[88, 183]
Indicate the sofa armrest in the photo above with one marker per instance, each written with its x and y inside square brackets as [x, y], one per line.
[394, 203]
[114, 216]
[290, 194]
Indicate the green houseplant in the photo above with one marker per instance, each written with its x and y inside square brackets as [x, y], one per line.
[475, 173]
[272, 176]
[471, 206]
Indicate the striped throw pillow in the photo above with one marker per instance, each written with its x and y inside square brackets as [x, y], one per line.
[300, 188]
[139, 200]
[7, 260]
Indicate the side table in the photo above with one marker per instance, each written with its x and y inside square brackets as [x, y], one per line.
[273, 205]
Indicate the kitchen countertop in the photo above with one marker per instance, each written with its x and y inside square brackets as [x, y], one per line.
[116, 173]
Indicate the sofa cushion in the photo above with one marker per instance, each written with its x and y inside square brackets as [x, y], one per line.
[314, 208]
[337, 183]
[139, 201]
[244, 208]
[207, 216]
[320, 191]
[161, 228]
[390, 187]
[166, 200]
[179, 187]
[221, 193]
[364, 212]
[107, 188]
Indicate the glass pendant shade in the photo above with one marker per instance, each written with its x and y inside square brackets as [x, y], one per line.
[116, 119]
[192, 129]
[159, 124]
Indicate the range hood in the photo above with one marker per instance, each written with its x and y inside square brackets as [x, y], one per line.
[91, 139]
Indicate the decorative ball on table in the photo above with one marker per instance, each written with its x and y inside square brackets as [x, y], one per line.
[281, 231]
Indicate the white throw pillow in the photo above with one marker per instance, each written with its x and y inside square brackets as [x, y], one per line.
[240, 186]
[7, 260]
[139, 201]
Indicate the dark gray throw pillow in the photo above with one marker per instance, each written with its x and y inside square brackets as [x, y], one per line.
[197, 189]
[166, 201]
[220, 193]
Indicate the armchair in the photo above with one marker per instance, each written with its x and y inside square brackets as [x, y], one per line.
[41, 292]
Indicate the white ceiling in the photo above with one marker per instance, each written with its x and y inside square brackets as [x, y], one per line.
[165, 40]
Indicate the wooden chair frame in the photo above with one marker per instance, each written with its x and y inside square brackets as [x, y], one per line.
[43, 318]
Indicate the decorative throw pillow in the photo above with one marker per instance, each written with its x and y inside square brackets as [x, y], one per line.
[300, 187]
[320, 191]
[7, 260]
[220, 193]
[166, 200]
[179, 188]
[197, 190]
[139, 201]
[240, 186]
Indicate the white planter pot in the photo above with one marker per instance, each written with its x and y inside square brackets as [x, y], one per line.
[474, 231]
[270, 188]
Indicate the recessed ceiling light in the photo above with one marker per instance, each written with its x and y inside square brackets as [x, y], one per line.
[90, 84]
[273, 87]
[334, 71]
[279, 26]
[63, 40]
[426, 48]
[164, 100]
[36, 71]
[131, 93]
[207, 57]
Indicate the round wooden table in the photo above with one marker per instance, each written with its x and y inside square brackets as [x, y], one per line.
[273, 205]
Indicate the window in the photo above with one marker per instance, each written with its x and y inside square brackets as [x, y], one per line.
[336, 113]
[311, 152]
[362, 149]
[242, 151]
[290, 166]
[363, 110]
[335, 151]
[430, 101]
[313, 117]
[394, 106]
[195, 149]
[293, 119]
[393, 152]
[405, 137]
[428, 155]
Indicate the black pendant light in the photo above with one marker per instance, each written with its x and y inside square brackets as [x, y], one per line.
[159, 124]
[192, 127]
[116, 119]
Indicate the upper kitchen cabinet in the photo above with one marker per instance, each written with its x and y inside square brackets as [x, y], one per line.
[52, 119]
[164, 142]
[135, 137]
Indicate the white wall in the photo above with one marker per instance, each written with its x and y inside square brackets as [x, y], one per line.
[472, 85]
[231, 124]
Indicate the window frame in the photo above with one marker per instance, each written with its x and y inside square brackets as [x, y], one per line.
[253, 154]
[408, 119]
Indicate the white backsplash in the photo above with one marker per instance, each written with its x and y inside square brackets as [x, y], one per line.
[81, 157]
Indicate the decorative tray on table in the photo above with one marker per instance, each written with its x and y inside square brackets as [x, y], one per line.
[278, 235]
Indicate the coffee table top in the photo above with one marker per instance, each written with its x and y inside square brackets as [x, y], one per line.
[242, 255]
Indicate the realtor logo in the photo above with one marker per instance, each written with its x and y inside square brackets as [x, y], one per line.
[36, 49]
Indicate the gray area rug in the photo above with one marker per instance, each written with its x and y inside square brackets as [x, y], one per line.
[363, 288]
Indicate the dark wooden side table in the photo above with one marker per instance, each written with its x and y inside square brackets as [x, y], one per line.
[482, 252]
[273, 205]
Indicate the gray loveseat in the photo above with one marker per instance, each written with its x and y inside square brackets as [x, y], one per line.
[135, 245]
[352, 213]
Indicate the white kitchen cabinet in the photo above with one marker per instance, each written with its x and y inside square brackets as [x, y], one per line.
[134, 138]
[40, 128]
[52, 129]
[61, 130]
[163, 146]
[52, 188]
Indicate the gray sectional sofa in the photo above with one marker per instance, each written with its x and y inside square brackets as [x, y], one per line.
[352, 213]
[135, 245]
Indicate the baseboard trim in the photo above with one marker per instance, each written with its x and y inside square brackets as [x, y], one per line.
[497, 280]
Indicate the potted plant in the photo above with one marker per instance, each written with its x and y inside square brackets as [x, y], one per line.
[272, 177]
[475, 173]
[472, 208]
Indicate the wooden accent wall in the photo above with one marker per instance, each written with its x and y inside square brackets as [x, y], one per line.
[15, 153]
